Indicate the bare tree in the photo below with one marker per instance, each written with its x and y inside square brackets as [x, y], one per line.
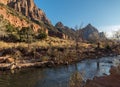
[116, 35]
[77, 39]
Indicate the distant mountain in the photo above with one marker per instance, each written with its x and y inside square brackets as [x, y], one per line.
[59, 25]
[69, 32]
[90, 33]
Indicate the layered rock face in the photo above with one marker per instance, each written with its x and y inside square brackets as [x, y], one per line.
[28, 9]
[16, 20]
[4, 1]
[68, 32]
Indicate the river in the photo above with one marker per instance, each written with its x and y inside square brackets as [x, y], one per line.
[58, 76]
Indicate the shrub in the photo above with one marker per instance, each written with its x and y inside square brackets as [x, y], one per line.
[44, 58]
[14, 37]
[26, 34]
[42, 36]
[10, 28]
[76, 80]
[107, 47]
[17, 55]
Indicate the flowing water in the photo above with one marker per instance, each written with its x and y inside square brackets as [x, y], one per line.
[58, 76]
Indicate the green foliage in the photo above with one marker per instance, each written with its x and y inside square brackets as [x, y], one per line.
[26, 34]
[10, 28]
[12, 34]
[14, 37]
[3, 23]
[107, 47]
[42, 36]
[1, 16]
[1, 4]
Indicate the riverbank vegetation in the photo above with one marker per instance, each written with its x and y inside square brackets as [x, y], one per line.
[52, 52]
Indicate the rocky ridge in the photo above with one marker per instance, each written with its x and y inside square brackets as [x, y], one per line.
[16, 19]
[28, 9]
[88, 33]
[69, 32]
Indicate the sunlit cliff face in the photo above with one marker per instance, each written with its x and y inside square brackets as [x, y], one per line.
[4, 1]
[28, 9]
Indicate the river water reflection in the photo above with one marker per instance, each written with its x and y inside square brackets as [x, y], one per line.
[59, 76]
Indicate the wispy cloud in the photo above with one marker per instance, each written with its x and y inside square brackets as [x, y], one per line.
[109, 30]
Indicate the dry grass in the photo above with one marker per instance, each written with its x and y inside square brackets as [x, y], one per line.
[49, 42]
[4, 45]
[85, 45]
[53, 42]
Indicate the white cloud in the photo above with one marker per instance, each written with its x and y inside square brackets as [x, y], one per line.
[109, 30]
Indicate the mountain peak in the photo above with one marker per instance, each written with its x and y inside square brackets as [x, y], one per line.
[91, 33]
[59, 25]
[90, 27]
[89, 24]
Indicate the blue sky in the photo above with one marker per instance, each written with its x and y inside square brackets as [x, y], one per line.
[103, 14]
